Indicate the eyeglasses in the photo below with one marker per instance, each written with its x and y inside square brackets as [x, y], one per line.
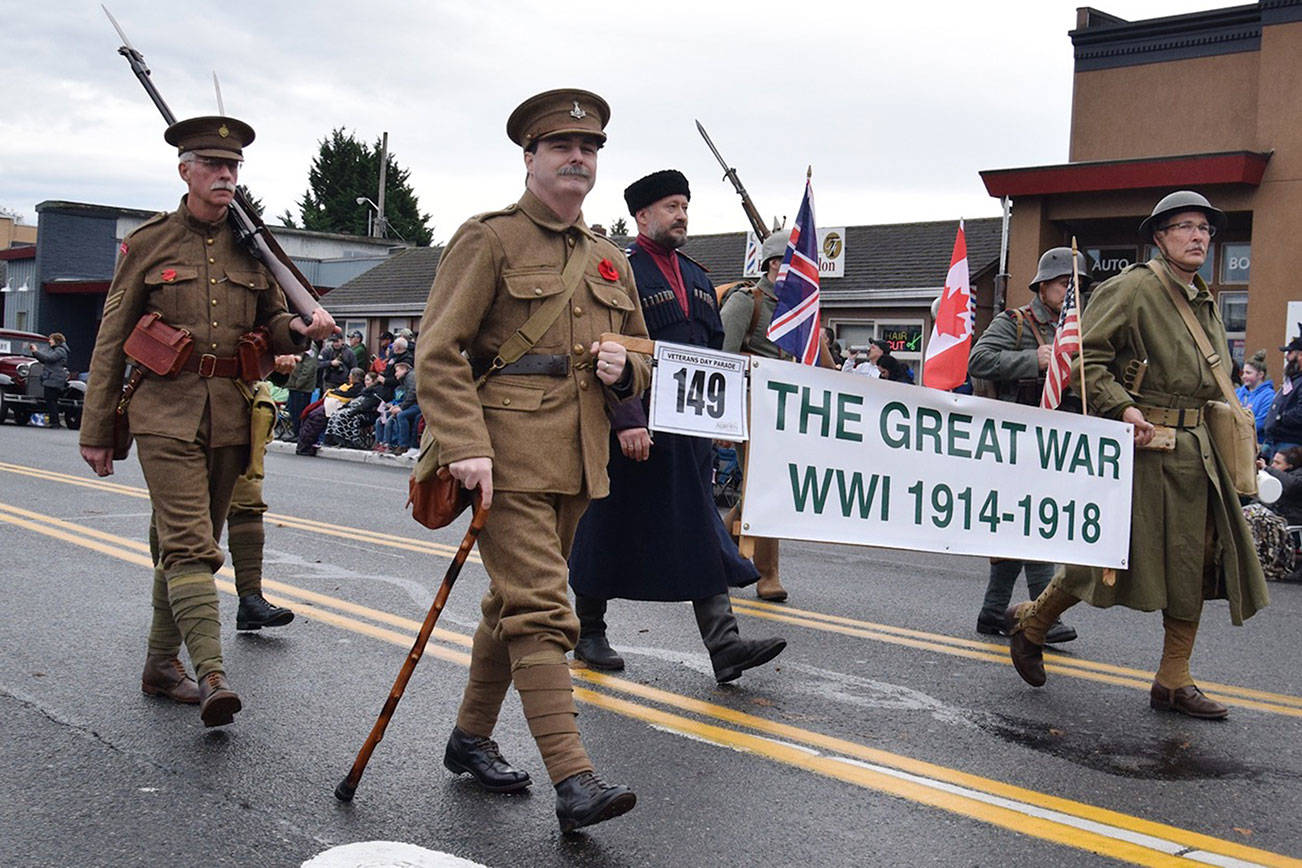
[1188, 227]
[214, 164]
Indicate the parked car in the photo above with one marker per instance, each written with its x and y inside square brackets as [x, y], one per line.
[21, 393]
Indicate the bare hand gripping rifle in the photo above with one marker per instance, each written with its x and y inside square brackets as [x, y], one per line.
[752, 213]
[243, 217]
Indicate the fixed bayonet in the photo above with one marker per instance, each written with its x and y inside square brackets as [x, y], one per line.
[244, 219]
[730, 174]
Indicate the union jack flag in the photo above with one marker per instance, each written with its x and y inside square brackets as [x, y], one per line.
[1066, 343]
[795, 319]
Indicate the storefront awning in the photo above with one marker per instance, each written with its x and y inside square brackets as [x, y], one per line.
[1188, 170]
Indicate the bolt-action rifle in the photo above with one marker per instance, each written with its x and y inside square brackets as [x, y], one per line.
[752, 213]
[248, 226]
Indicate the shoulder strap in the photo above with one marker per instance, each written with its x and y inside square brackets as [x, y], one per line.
[1195, 328]
[537, 325]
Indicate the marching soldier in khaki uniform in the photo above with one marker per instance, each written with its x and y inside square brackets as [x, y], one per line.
[533, 438]
[192, 428]
[1189, 541]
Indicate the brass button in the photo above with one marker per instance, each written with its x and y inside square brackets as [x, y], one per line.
[578, 311]
[578, 349]
[583, 384]
[537, 290]
[214, 346]
[210, 241]
[211, 260]
[212, 280]
[214, 302]
[570, 241]
[214, 323]
[506, 402]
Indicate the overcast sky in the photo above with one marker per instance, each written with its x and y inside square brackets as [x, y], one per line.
[896, 106]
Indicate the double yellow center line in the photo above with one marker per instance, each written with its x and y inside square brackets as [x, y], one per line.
[1064, 821]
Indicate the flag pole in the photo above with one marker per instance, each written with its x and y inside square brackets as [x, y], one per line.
[1075, 282]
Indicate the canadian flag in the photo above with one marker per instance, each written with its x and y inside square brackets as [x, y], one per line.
[945, 365]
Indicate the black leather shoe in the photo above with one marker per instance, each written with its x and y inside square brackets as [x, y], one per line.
[480, 758]
[585, 799]
[746, 654]
[597, 653]
[1059, 632]
[990, 626]
[256, 613]
[1028, 658]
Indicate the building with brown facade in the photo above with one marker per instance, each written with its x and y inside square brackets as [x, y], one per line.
[1206, 101]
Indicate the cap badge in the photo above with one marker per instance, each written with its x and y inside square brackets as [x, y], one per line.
[222, 131]
[577, 113]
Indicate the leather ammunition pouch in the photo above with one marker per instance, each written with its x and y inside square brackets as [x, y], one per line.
[159, 347]
[255, 355]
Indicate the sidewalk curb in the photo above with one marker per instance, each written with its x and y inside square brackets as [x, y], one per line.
[361, 456]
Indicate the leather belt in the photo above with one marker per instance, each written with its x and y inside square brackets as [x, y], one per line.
[1173, 417]
[530, 363]
[207, 365]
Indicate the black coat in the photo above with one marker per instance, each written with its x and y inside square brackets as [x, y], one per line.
[658, 536]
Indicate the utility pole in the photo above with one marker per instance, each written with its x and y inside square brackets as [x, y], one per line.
[381, 222]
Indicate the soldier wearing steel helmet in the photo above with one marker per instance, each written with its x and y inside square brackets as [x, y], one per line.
[192, 428]
[1189, 541]
[1014, 352]
[534, 437]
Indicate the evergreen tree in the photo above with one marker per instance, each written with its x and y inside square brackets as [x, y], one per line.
[619, 227]
[346, 169]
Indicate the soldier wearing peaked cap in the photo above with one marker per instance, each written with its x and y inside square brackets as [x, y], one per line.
[533, 436]
[1189, 541]
[1283, 427]
[192, 428]
[658, 536]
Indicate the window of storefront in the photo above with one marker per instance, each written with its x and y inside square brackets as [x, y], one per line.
[1108, 262]
[855, 336]
[1236, 263]
[353, 325]
[1234, 312]
[904, 336]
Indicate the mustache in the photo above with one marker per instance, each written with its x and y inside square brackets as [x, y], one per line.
[580, 171]
[222, 185]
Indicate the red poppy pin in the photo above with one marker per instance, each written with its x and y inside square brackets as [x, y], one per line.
[169, 275]
[606, 269]
[123, 249]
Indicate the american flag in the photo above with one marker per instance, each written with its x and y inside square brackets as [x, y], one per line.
[795, 319]
[1066, 343]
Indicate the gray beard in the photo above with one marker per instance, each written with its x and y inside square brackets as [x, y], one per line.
[667, 241]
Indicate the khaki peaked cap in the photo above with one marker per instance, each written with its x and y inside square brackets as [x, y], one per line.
[556, 113]
[210, 136]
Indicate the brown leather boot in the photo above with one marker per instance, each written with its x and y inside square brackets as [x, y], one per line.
[771, 589]
[1027, 656]
[218, 704]
[164, 675]
[1186, 700]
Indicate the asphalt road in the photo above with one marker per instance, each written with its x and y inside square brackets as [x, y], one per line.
[888, 733]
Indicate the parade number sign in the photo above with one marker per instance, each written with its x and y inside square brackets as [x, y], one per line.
[845, 459]
[698, 392]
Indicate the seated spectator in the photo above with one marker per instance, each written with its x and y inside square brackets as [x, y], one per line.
[350, 427]
[403, 414]
[314, 422]
[1269, 522]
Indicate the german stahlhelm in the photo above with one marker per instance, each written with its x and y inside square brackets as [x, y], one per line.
[774, 246]
[1181, 200]
[1056, 262]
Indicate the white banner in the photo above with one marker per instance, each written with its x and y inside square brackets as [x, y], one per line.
[831, 253]
[840, 458]
[698, 392]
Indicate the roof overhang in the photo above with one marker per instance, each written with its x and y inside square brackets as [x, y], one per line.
[1188, 170]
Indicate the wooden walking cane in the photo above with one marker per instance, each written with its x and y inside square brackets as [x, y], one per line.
[348, 786]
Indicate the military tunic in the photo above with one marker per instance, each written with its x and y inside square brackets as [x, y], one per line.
[738, 308]
[1012, 360]
[546, 435]
[1179, 497]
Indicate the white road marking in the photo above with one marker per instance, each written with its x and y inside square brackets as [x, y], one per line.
[386, 854]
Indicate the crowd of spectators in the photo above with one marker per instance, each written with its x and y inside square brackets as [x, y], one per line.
[341, 395]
